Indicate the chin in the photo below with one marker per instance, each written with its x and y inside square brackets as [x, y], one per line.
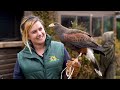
[41, 41]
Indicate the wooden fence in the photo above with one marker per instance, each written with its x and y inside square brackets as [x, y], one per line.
[8, 56]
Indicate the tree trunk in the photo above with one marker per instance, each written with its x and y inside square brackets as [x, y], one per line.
[107, 63]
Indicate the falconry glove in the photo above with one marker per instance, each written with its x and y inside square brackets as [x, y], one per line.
[72, 69]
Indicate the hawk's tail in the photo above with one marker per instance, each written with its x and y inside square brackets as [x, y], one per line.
[93, 60]
[97, 68]
[98, 72]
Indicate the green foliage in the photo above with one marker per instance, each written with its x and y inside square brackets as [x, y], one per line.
[81, 26]
[117, 54]
[117, 47]
[118, 25]
[117, 77]
[86, 70]
[118, 30]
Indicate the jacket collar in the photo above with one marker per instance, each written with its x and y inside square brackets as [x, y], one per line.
[27, 53]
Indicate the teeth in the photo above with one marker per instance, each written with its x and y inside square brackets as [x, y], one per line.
[39, 37]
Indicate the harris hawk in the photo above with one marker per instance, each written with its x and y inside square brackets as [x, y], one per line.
[80, 41]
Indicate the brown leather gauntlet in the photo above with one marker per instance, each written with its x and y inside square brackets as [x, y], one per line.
[74, 66]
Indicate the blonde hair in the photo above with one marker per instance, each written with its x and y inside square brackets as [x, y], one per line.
[26, 24]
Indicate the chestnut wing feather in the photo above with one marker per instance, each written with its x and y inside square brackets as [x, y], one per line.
[79, 40]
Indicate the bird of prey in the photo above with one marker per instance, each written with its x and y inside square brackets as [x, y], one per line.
[80, 41]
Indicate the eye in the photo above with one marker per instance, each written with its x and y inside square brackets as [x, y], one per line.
[40, 29]
[34, 31]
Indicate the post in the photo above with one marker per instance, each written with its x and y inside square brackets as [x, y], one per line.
[107, 64]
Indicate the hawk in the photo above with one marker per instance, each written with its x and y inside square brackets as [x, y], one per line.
[80, 41]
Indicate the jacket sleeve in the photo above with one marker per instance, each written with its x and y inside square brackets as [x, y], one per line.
[66, 57]
[17, 74]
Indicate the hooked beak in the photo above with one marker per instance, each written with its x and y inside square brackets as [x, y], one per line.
[51, 25]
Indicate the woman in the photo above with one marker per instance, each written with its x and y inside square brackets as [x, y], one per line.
[41, 57]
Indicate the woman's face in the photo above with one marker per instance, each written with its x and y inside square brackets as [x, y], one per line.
[37, 34]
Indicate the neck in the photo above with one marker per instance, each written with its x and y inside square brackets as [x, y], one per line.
[40, 49]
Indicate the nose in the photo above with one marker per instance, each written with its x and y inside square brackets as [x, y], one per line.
[39, 33]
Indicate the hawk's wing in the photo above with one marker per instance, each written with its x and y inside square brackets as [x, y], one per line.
[79, 40]
[78, 31]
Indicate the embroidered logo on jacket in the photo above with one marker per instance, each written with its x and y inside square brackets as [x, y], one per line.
[53, 58]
